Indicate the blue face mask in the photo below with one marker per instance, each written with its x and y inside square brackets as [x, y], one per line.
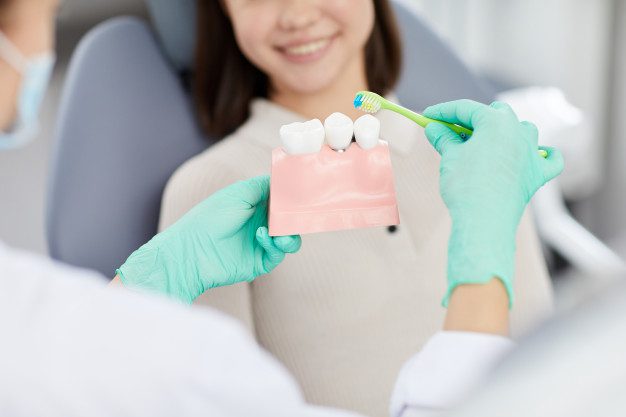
[36, 72]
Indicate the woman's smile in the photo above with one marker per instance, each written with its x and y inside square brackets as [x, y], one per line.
[303, 52]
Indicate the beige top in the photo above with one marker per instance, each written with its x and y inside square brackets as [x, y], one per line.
[347, 310]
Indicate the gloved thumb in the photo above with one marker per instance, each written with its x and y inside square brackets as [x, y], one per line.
[553, 164]
[442, 137]
[288, 244]
[272, 255]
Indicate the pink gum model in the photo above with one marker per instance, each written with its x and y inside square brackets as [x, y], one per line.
[330, 190]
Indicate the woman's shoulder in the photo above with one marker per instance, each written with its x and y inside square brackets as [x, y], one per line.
[235, 154]
[232, 159]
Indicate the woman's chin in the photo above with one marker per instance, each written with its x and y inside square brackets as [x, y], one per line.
[308, 85]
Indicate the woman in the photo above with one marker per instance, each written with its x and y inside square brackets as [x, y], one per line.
[342, 313]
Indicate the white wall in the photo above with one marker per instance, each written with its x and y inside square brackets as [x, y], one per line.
[577, 45]
[611, 204]
[564, 43]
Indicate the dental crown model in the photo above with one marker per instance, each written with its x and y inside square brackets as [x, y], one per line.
[317, 187]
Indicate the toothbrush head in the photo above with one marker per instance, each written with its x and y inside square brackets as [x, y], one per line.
[368, 102]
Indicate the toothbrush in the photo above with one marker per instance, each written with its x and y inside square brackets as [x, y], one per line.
[369, 102]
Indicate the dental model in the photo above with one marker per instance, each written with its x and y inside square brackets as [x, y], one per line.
[366, 131]
[321, 188]
[339, 129]
[302, 138]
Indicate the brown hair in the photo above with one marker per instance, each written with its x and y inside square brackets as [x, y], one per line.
[224, 81]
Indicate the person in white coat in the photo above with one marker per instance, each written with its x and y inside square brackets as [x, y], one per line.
[72, 346]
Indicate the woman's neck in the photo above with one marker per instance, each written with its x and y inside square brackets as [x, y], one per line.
[337, 97]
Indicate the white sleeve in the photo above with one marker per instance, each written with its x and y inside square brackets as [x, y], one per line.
[72, 347]
[444, 372]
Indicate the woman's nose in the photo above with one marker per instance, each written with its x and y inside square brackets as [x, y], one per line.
[299, 14]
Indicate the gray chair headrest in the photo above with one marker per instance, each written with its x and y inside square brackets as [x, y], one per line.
[175, 24]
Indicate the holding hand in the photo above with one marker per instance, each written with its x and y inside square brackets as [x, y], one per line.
[222, 241]
[486, 183]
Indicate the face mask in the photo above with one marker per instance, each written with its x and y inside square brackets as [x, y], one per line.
[36, 72]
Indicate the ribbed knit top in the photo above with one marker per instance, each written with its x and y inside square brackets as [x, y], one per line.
[345, 312]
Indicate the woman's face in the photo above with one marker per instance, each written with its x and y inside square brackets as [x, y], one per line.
[302, 45]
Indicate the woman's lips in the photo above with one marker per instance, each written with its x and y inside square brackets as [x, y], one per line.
[307, 51]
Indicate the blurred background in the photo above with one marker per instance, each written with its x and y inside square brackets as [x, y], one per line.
[577, 46]
[24, 172]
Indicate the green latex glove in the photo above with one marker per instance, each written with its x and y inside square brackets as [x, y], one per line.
[223, 240]
[486, 183]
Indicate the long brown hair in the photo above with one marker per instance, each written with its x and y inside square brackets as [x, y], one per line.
[224, 81]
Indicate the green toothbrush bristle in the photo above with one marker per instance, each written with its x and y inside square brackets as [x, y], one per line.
[367, 102]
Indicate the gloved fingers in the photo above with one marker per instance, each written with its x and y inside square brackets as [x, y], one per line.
[253, 191]
[466, 113]
[442, 137]
[553, 164]
[288, 244]
[533, 132]
[505, 107]
[272, 255]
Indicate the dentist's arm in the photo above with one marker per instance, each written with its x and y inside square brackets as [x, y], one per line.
[486, 183]
[222, 241]
[479, 308]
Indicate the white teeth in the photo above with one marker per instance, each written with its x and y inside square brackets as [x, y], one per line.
[366, 131]
[308, 48]
[302, 138]
[308, 137]
[339, 129]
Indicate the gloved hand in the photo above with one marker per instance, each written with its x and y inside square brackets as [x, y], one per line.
[223, 240]
[486, 183]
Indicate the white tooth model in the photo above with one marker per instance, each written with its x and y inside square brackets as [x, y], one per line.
[366, 131]
[302, 138]
[339, 129]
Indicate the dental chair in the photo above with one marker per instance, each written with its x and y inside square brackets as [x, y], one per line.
[126, 123]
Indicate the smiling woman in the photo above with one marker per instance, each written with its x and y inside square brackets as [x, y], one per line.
[352, 306]
[237, 59]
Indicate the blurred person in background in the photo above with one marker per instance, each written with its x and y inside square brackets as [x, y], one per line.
[26, 49]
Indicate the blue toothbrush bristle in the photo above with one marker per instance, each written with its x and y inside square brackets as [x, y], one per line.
[367, 102]
[358, 101]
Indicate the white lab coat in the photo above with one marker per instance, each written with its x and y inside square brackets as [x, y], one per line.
[72, 347]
